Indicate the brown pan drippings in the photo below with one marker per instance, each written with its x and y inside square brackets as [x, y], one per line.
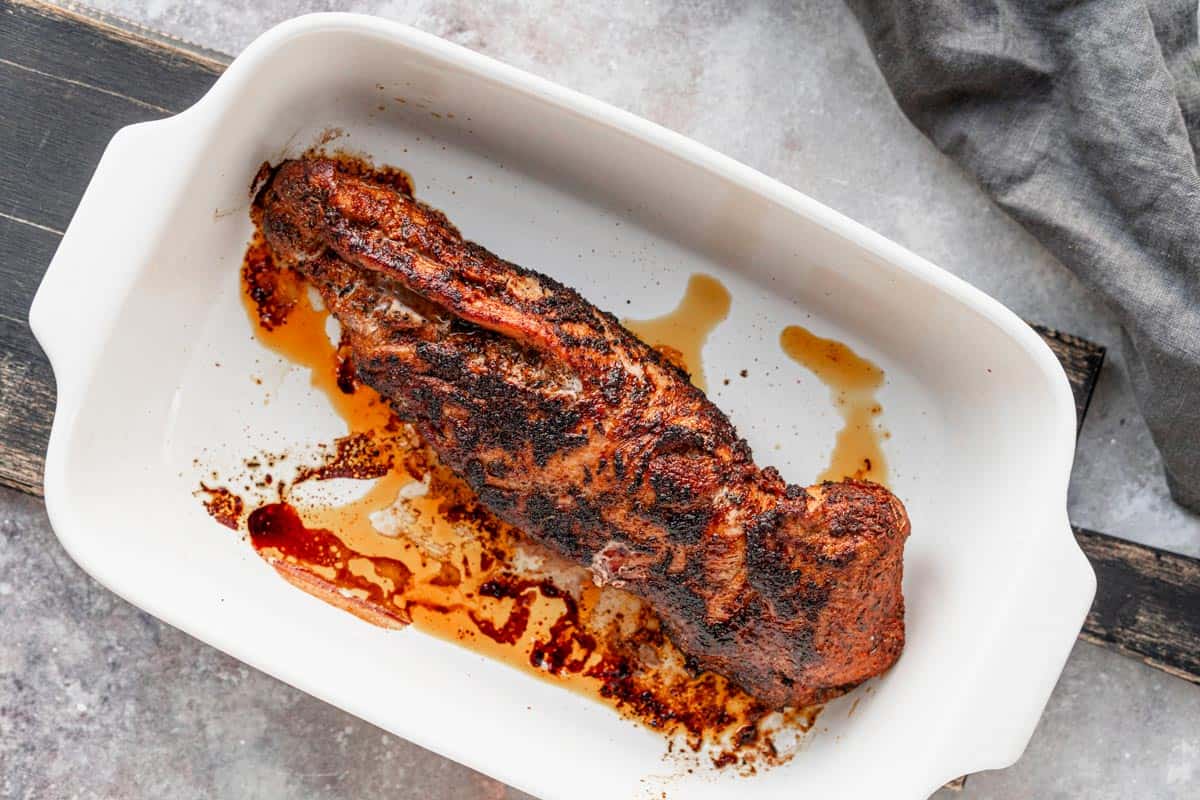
[417, 547]
[680, 334]
[853, 382]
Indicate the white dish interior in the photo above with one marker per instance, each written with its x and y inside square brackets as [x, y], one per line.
[142, 303]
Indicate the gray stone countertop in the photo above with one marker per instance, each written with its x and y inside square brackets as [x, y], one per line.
[97, 699]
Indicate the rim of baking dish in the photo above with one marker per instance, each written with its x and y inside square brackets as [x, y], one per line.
[74, 361]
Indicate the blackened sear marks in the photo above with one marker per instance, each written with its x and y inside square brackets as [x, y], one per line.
[570, 428]
[469, 371]
[762, 556]
[475, 474]
[501, 501]
[539, 509]
[558, 529]
[687, 527]
[671, 490]
[794, 492]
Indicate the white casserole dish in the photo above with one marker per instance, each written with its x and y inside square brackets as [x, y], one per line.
[141, 304]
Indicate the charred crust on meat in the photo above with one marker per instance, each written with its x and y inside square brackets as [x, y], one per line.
[497, 498]
[683, 527]
[571, 429]
[613, 385]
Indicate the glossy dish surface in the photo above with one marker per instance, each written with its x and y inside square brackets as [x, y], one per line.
[155, 385]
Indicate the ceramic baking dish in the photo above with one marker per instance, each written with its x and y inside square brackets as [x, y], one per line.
[141, 318]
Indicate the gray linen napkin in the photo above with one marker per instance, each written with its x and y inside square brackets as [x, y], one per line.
[1082, 121]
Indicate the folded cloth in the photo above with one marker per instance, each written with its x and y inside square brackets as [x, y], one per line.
[1081, 120]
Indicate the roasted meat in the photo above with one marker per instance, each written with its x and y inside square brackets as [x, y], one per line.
[573, 430]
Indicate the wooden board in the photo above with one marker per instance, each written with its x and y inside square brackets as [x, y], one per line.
[68, 82]
[1149, 603]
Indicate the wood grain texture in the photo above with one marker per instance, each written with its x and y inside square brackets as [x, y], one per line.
[26, 381]
[67, 87]
[1148, 605]
[68, 83]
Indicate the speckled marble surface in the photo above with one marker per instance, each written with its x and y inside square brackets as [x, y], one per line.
[100, 700]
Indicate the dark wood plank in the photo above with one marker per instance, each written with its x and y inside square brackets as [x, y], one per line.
[75, 85]
[165, 75]
[22, 246]
[47, 157]
[1147, 603]
[26, 391]
[26, 381]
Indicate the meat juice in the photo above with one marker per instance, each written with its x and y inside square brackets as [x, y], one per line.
[417, 548]
[853, 382]
[680, 334]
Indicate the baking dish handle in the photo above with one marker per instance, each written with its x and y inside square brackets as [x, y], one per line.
[84, 287]
[1011, 689]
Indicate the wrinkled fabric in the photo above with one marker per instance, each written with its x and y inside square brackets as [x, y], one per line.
[1082, 121]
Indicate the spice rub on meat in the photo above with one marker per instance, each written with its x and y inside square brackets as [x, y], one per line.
[570, 428]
